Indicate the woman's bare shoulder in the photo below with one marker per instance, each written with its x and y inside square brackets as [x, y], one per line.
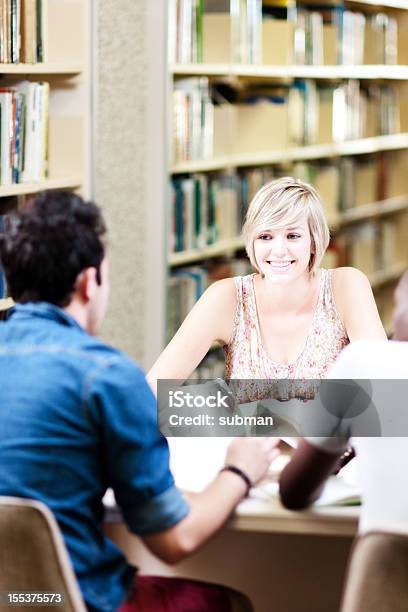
[348, 278]
[218, 304]
[223, 290]
[347, 284]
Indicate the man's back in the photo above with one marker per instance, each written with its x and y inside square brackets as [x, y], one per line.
[76, 418]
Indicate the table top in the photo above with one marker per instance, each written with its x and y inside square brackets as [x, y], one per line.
[196, 461]
[269, 515]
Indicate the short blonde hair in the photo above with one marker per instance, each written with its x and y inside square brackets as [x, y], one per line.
[282, 202]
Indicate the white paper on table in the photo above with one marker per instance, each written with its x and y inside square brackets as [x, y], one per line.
[195, 462]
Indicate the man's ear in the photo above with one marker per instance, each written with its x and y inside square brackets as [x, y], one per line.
[86, 284]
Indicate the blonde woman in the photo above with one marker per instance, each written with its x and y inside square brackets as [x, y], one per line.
[291, 318]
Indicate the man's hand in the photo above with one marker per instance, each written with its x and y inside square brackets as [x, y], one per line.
[253, 456]
[212, 507]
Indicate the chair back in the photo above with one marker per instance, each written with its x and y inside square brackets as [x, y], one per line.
[33, 556]
[377, 576]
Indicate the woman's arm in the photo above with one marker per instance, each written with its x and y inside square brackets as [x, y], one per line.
[400, 317]
[211, 319]
[356, 305]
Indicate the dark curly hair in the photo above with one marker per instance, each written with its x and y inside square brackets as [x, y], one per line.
[55, 237]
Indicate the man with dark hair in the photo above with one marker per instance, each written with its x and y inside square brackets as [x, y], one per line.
[77, 416]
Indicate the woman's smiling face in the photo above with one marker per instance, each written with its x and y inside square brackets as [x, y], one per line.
[283, 254]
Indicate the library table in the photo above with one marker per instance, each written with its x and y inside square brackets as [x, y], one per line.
[285, 561]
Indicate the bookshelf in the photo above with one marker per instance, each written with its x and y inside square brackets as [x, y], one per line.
[66, 68]
[381, 213]
[59, 58]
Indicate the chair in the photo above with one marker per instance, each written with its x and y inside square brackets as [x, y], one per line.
[377, 576]
[33, 556]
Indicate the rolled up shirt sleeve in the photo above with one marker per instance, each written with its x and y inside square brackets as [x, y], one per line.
[134, 454]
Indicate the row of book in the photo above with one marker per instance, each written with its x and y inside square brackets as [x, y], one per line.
[207, 209]
[204, 210]
[22, 31]
[332, 35]
[279, 32]
[24, 111]
[190, 22]
[186, 285]
[193, 119]
[351, 182]
[328, 34]
[375, 245]
[185, 31]
[212, 121]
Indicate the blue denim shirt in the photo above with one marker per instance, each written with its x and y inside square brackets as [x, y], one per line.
[77, 417]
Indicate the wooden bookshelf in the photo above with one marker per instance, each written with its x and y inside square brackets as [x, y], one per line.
[230, 162]
[43, 68]
[67, 70]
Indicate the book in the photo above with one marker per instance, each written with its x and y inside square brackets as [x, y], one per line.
[15, 30]
[336, 492]
[208, 456]
[6, 104]
[28, 31]
[42, 21]
[193, 119]
[185, 30]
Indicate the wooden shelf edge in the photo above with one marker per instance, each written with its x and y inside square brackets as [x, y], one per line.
[365, 211]
[341, 71]
[214, 250]
[362, 146]
[386, 3]
[383, 277]
[41, 68]
[51, 183]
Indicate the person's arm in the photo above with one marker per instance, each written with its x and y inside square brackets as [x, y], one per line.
[303, 478]
[400, 317]
[356, 305]
[211, 508]
[133, 456]
[210, 320]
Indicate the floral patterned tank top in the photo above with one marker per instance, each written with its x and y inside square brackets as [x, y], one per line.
[246, 357]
